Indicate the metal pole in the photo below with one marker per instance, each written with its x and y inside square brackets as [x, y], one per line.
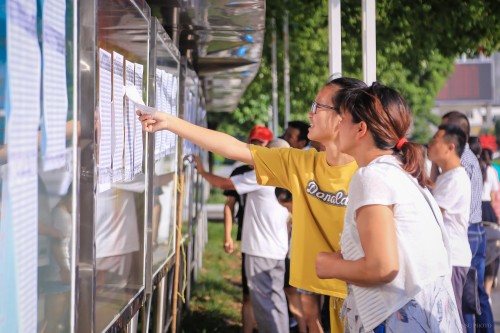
[275, 78]
[369, 41]
[133, 324]
[161, 305]
[269, 117]
[86, 105]
[175, 291]
[286, 75]
[334, 37]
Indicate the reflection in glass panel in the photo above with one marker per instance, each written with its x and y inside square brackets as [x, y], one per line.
[54, 254]
[164, 209]
[55, 170]
[188, 193]
[190, 114]
[118, 237]
[123, 32]
[165, 151]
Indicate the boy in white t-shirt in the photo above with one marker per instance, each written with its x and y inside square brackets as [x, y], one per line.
[264, 240]
[452, 192]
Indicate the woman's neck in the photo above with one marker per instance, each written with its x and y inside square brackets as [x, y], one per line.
[364, 156]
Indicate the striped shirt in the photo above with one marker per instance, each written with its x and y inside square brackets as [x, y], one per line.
[471, 165]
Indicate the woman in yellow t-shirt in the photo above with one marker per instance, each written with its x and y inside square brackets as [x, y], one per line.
[394, 245]
[318, 181]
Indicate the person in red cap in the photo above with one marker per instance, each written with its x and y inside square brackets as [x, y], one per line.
[260, 136]
[264, 241]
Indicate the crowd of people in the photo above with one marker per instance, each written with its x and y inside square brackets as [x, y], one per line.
[389, 242]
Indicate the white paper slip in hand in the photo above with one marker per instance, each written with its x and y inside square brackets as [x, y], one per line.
[132, 94]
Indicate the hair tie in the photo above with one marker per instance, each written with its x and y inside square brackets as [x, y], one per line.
[400, 143]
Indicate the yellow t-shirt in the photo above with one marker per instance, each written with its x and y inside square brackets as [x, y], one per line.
[319, 194]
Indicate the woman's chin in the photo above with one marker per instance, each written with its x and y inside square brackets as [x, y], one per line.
[311, 135]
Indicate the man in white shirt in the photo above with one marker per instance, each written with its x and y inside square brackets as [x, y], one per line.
[264, 241]
[452, 192]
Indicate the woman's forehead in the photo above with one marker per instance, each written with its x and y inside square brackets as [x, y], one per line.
[326, 94]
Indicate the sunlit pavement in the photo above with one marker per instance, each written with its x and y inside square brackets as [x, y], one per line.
[495, 306]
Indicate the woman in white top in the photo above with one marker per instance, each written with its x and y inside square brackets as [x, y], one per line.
[394, 248]
[490, 186]
[490, 189]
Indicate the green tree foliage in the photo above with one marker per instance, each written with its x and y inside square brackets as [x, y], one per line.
[417, 42]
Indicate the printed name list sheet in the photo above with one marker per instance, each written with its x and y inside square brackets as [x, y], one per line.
[104, 127]
[55, 96]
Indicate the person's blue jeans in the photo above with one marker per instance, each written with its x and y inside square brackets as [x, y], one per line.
[484, 322]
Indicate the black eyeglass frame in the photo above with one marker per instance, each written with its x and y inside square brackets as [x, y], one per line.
[314, 107]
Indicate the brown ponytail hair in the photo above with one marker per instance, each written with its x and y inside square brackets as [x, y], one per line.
[388, 118]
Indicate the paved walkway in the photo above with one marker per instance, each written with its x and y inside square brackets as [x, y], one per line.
[495, 306]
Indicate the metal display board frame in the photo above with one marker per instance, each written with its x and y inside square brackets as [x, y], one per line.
[162, 42]
[87, 102]
[137, 37]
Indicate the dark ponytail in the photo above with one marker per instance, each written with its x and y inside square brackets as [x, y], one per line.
[412, 156]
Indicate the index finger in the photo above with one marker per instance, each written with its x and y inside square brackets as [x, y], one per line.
[144, 116]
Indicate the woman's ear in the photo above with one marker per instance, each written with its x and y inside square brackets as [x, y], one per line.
[362, 129]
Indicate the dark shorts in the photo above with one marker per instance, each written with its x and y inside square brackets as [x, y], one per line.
[157, 190]
[488, 212]
[244, 281]
[491, 270]
[287, 273]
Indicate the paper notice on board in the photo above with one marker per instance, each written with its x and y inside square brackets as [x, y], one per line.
[19, 218]
[138, 147]
[166, 79]
[55, 96]
[130, 118]
[118, 123]
[175, 88]
[158, 104]
[136, 97]
[187, 145]
[173, 104]
[104, 127]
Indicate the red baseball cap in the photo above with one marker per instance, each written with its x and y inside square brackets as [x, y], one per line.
[260, 133]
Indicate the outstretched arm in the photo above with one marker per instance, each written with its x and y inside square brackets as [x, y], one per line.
[214, 180]
[213, 141]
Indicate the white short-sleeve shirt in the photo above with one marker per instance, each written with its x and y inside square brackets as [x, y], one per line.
[490, 184]
[452, 192]
[264, 222]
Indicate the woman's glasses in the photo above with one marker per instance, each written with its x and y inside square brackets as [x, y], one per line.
[315, 105]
